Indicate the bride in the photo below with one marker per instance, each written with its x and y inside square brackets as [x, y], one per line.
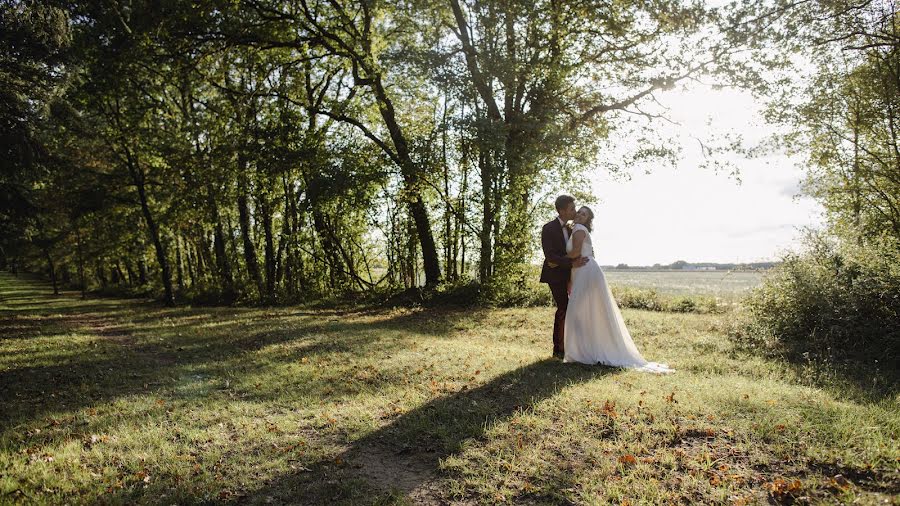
[594, 329]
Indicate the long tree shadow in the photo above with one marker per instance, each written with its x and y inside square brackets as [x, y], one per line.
[404, 455]
[151, 354]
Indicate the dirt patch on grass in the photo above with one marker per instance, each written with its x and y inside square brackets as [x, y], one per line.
[413, 473]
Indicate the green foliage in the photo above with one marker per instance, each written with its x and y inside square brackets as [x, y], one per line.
[262, 153]
[835, 301]
[834, 307]
[638, 298]
[471, 293]
[649, 299]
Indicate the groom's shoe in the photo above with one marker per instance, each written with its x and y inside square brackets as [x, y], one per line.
[558, 354]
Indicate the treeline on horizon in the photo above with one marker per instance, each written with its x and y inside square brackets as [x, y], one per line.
[679, 265]
[280, 151]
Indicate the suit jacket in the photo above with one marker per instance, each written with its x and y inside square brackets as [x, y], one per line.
[557, 266]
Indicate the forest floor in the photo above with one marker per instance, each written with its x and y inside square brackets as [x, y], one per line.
[123, 401]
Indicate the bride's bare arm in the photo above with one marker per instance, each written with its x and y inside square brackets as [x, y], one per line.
[577, 241]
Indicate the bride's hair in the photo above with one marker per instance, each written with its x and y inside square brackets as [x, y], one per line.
[590, 220]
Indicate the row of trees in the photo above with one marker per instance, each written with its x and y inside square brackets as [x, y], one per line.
[265, 150]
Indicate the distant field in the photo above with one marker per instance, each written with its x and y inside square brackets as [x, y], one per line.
[723, 284]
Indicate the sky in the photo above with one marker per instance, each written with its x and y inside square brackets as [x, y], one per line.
[691, 213]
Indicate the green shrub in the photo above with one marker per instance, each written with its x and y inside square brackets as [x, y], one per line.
[637, 298]
[469, 292]
[833, 300]
[683, 305]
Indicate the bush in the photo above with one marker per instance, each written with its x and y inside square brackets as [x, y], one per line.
[469, 292]
[532, 294]
[835, 300]
[638, 298]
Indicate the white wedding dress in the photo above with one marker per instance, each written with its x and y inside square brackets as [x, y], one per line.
[595, 330]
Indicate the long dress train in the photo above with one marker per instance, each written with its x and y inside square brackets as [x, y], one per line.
[595, 331]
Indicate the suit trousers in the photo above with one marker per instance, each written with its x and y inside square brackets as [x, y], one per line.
[561, 298]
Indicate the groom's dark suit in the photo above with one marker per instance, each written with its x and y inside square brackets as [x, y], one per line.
[555, 272]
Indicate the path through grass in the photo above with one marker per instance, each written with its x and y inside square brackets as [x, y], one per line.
[123, 401]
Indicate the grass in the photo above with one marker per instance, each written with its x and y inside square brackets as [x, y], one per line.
[123, 401]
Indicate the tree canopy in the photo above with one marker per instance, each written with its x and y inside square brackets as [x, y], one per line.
[267, 150]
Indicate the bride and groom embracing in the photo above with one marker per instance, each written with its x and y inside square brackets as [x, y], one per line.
[588, 327]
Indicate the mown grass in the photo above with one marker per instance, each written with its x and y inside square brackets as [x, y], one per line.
[123, 401]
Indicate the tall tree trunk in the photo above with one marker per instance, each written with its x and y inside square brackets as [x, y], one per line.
[143, 274]
[138, 178]
[282, 258]
[189, 260]
[361, 57]
[265, 208]
[223, 264]
[119, 274]
[411, 177]
[101, 273]
[81, 264]
[52, 270]
[459, 241]
[179, 271]
[336, 273]
[299, 268]
[485, 265]
[132, 277]
[246, 234]
[448, 204]
[204, 260]
[45, 247]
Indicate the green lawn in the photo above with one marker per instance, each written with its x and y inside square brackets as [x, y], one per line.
[123, 401]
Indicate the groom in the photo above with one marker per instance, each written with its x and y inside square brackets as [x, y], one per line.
[557, 266]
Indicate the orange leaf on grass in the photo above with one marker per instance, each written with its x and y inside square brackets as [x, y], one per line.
[609, 408]
[628, 460]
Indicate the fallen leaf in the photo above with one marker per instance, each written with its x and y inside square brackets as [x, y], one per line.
[628, 460]
[839, 482]
[609, 408]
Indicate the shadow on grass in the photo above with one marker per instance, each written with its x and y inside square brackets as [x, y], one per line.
[863, 376]
[161, 346]
[404, 455]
